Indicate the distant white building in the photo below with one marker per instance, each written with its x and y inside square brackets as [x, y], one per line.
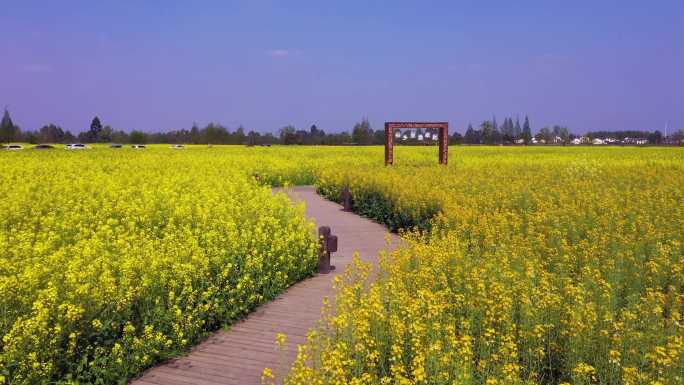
[635, 140]
[598, 141]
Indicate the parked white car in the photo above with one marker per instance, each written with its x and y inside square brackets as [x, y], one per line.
[13, 147]
[138, 146]
[76, 146]
[177, 146]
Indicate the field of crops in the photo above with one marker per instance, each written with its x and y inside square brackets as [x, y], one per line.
[532, 266]
[526, 265]
[115, 259]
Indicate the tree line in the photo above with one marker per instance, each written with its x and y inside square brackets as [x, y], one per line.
[489, 132]
[362, 133]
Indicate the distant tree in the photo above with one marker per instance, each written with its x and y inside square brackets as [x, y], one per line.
[455, 138]
[517, 131]
[526, 131]
[195, 136]
[379, 137]
[507, 131]
[50, 133]
[490, 135]
[106, 134]
[120, 136]
[655, 137]
[269, 138]
[302, 137]
[288, 135]
[545, 134]
[678, 137]
[316, 135]
[68, 137]
[93, 134]
[138, 137]
[8, 130]
[338, 138]
[215, 133]
[565, 135]
[31, 137]
[239, 136]
[472, 136]
[362, 133]
[560, 133]
[253, 138]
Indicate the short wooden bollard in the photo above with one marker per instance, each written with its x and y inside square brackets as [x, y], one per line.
[328, 244]
[345, 198]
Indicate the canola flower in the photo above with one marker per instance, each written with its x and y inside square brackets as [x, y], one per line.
[113, 260]
[523, 266]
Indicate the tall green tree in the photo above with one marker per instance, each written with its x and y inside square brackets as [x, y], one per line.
[106, 134]
[546, 135]
[507, 130]
[526, 131]
[8, 130]
[51, 133]
[239, 137]
[288, 135]
[362, 133]
[517, 131]
[195, 135]
[95, 130]
[317, 136]
[490, 135]
[138, 137]
[472, 136]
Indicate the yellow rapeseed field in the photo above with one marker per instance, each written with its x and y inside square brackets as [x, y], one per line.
[522, 265]
[113, 259]
[527, 266]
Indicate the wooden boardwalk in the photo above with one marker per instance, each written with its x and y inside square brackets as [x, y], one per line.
[239, 355]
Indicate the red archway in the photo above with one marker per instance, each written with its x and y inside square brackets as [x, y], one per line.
[390, 127]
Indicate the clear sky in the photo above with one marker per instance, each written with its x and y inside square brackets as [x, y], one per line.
[160, 65]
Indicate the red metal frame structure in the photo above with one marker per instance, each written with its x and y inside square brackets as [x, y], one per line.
[390, 127]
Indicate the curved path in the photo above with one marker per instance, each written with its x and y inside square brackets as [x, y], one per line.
[239, 354]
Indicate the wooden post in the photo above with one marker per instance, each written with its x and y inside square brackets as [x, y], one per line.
[443, 143]
[389, 144]
[328, 244]
[345, 198]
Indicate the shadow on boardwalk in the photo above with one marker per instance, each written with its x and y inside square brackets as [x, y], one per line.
[238, 355]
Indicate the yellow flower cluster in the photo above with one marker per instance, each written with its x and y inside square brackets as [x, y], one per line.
[544, 265]
[112, 260]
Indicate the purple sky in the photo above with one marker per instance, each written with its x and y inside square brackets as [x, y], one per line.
[160, 65]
